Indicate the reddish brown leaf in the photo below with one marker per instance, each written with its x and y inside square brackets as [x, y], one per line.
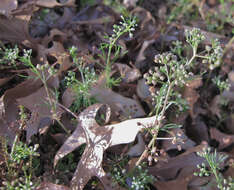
[54, 3]
[177, 184]
[7, 6]
[223, 139]
[127, 73]
[185, 164]
[120, 105]
[190, 94]
[182, 142]
[41, 115]
[51, 186]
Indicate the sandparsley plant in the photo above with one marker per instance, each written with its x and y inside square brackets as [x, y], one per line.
[127, 25]
[81, 88]
[170, 74]
[221, 84]
[214, 161]
[137, 179]
[9, 56]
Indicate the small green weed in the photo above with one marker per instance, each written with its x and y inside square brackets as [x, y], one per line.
[214, 161]
[137, 179]
[171, 73]
[221, 84]
[9, 56]
[127, 25]
[81, 88]
[18, 162]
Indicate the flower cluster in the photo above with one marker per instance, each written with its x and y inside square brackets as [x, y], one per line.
[137, 179]
[170, 69]
[126, 25]
[214, 54]
[194, 37]
[222, 85]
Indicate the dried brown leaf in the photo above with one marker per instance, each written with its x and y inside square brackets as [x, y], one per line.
[185, 164]
[182, 142]
[120, 105]
[190, 93]
[7, 6]
[127, 73]
[41, 115]
[54, 3]
[51, 186]
[223, 139]
[177, 184]
[99, 139]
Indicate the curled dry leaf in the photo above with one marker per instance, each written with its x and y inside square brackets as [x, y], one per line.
[120, 105]
[223, 139]
[185, 163]
[51, 186]
[54, 3]
[5, 80]
[197, 130]
[98, 139]
[138, 148]
[15, 30]
[41, 115]
[127, 73]
[6, 6]
[190, 93]
[181, 183]
[182, 142]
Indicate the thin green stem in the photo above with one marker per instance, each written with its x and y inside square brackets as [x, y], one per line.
[157, 125]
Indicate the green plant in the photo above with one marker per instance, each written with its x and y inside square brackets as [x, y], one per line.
[44, 73]
[9, 56]
[125, 26]
[221, 84]
[81, 88]
[169, 74]
[214, 161]
[136, 179]
[18, 162]
[182, 9]
[193, 9]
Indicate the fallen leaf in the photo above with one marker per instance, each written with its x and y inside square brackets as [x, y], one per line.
[41, 115]
[127, 73]
[51, 186]
[138, 148]
[197, 130]
[223, 139]
[5, 80]
[182, 142]
[177, 184]
[190, 93]
[99, 139]
[54, 3]
[7, 6]
[215, 106]
[120, 105]
[185, 164]
[16, 30]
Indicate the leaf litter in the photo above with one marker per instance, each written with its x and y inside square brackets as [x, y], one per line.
[49, 28]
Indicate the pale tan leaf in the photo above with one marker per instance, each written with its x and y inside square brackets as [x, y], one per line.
[120, 105]
[99, 139]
